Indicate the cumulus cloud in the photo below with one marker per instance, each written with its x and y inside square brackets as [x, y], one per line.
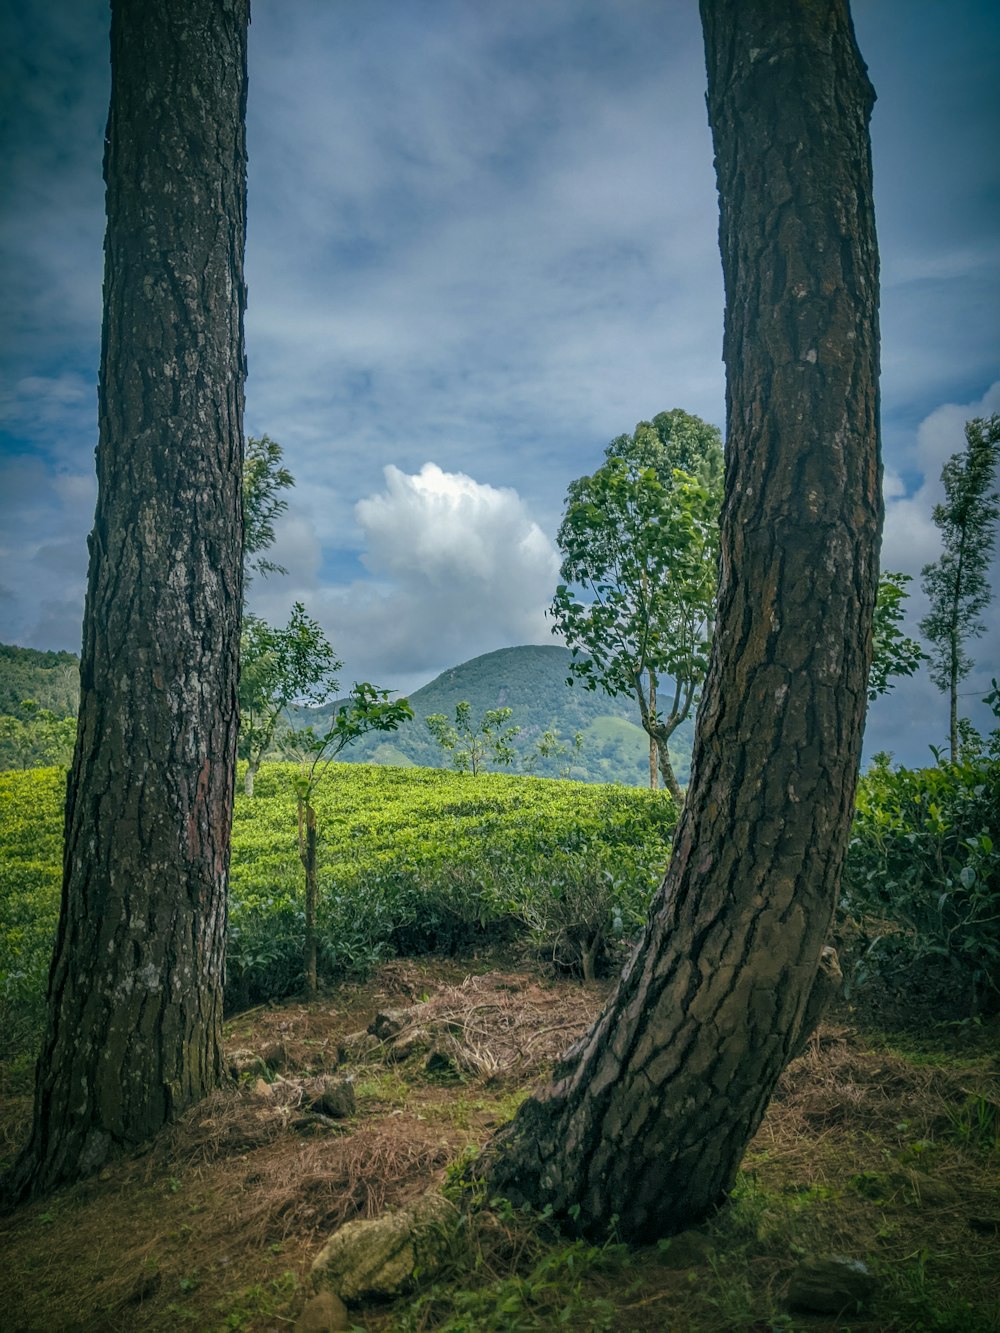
[458, 567]
[914, 715]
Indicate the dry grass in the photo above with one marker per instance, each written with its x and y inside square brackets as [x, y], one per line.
[215, 1226]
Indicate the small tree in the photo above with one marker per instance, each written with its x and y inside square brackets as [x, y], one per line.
[645, 549]
[893, 653]
[957, 583]
[280, 667]
[551, 746]
[469, 745]
[264, 477]
[367, 709]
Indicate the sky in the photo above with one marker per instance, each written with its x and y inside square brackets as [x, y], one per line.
[482, 242]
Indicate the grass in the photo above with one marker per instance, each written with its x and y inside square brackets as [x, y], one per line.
[215, 1226]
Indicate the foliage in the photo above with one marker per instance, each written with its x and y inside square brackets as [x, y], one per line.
[415, 860]
[51, 679]
[957, 583]
[551, 746]
[279, 667]
[893, 653]
[263, 478]
[640, 539]
[472, 745]
[36, 739]
[922, 877]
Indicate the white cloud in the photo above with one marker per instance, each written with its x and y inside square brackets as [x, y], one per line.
[458, 568]
[911, 539]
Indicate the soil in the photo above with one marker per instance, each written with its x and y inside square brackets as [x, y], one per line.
[881, 1148]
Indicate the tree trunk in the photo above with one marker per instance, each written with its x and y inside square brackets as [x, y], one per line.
[647, 1118]
[252, 766]
[653, 747]
[136, 984]
[307, 845]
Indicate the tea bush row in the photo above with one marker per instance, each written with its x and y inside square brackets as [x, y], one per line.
[921, 888]
[410, 860]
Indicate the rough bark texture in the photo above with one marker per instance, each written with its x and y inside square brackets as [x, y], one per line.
[647, 1118]
[135, 990]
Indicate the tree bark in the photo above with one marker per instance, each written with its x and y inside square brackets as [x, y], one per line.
[653, 747]
[136, 985]
[646, 1120]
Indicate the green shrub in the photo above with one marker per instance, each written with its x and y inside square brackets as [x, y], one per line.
[922, 878]
[410, 860]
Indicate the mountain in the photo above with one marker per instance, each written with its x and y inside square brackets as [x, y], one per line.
[531, 681]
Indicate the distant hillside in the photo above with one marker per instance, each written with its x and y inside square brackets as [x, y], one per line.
[52, 680]
[531, 681]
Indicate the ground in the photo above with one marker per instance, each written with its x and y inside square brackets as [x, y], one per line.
[882, 1147]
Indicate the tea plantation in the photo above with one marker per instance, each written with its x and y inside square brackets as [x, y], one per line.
[411, 861]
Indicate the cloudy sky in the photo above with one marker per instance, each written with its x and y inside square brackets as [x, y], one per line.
[482, 242]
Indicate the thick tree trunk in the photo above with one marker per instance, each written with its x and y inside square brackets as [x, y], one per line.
[135, 990]
[648, 1117]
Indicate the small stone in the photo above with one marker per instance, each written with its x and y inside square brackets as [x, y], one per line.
[245, 1062]
[831, 1286]
[325, 1313]
[335, 1099]
[414, 1041]
[387, 1024]
[378, 1258]
[688, 1249]
[275, 1056]
[263, 1089]
[930, 1191]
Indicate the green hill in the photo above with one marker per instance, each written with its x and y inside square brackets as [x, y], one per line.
[52, 680]
[531, 681]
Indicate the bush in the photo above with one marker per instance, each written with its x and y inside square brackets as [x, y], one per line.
[410, 861]
[922, 878]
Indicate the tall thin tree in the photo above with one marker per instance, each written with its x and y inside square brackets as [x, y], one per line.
[135, 990]
[957, 583]
[647, 1118]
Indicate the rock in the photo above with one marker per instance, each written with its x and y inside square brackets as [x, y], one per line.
[831, 1285]
[325, 1313]
[414, 1041]
[263, 1089]
[275, 1056]
[376, 1259]
[246, 1062]
[335, 1099]
[357, 1046]
[688, 1249]
[388, 1024]
[930, 1191]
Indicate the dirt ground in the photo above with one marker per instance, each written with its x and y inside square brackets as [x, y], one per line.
[883, 1149]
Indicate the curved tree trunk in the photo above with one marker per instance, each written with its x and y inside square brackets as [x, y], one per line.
[646, 1120]
[135, 990]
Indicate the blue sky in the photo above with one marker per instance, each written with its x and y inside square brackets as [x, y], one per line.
[482, 242]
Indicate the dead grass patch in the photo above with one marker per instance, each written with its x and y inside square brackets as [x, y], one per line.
[215, 1226]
